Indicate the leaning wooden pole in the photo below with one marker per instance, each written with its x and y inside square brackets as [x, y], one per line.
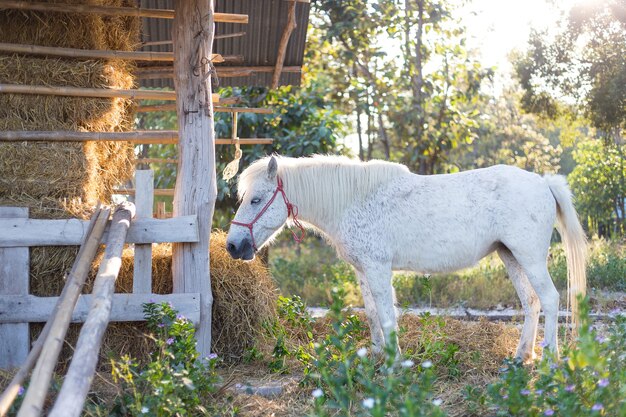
[196, 186]
[56, 326]
[67, 300]
[76, 385]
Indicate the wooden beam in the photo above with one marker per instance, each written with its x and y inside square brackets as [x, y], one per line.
[93, 53]
[14, 273]
[144, 201]
[91, 92]
[143, 136]
[125, 307]
[224, 36]
[284, 41]
[38, 232]
[196, 183]
[60, 320]
[77, 382]
[140, 161]
[160, 72]
[133, 191]
[111, 11]
[216, 109]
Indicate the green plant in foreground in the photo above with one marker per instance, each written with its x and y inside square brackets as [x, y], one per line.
[175, 381]
[590, 379]
[350, 383]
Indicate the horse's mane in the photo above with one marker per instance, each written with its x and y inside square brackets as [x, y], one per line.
[325, 184]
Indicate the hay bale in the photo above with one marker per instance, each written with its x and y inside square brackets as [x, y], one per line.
[244, 295]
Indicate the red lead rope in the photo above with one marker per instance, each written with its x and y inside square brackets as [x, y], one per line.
[292, 211]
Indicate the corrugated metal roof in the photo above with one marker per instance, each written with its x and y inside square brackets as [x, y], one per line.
[259, 46]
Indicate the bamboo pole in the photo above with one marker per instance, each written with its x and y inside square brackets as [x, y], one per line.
[224, 36]
[79, 376]
[158, 72]
[91, 92]
[284, 41]
[110, 10]
[133, 191]
[94, 53]
[156, 161]
[51, 339]
[216, 109]
[143, 136]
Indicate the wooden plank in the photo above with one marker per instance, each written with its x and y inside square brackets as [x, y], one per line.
[77, 382]
[144, 201]
[124, 308]
[32, 406]
[94, 53]
[196, 184]
[216, 109]
[14, 275]
[145, 136]
[111, 10]
[152, 72]
[91, 92]
[133, 191]
[37, 232]
[140, 161]
[161, 213]
[284, 41]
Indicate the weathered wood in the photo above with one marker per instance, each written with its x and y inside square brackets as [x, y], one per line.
[79, 376]
[223, 36]
[140, 161]
[153, 72]
[111, 11]
[161, 213]
[62, 309]
[144, 136]
[216, 109]
[12, 390]
[284, 41]
[36, 232]
[91, 92]
[124, 307]
[14, 273]
[196, 185]
[93, 53]
[144, 201]
[133, 191]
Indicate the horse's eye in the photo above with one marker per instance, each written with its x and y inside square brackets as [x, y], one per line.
[255, 201]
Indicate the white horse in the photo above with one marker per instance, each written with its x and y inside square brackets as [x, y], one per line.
[380, 217]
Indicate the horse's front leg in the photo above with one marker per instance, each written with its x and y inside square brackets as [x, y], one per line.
[376, 331]
[378, 277]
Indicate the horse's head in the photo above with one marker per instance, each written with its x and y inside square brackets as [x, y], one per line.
[262, 212]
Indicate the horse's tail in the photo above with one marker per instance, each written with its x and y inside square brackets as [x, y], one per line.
[574, 241]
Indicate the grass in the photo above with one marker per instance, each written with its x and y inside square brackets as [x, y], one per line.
[310, 269]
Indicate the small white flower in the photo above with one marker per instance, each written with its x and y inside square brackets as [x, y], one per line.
[368, 403]
[407, 363]
[427, 364]
[317, 393]
[437, 402]
[361, 352]
[144, 410]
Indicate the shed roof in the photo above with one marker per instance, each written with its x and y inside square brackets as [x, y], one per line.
[259, 46]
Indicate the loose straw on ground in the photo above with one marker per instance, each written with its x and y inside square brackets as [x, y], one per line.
[54, 331]
[72, 396]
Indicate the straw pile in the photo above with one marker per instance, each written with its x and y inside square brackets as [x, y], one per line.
[64, 180]
[244, 296]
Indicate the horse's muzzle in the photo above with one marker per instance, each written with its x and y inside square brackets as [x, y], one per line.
[243, 250]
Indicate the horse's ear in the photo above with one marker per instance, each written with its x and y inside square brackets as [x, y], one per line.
[272, 168]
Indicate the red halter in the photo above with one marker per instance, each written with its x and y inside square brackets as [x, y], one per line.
[291, 211]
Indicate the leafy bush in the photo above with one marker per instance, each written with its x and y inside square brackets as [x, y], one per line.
[350, 383]
[590, 380]
[176, 381]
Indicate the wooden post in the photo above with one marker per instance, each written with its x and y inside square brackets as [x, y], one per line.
[76, 385]
[14, 263]
[284, 41]
[52, 337]
[196, 186]
[144, 200]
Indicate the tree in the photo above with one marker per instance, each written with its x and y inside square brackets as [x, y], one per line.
[584, 63]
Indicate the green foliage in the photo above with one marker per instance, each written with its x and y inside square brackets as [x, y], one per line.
[350, 383]
[590, 380]
[598, 184]
[175, 381]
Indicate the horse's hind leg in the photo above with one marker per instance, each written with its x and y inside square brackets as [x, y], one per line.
[378, 277]
[530, 304]
[376, 331]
